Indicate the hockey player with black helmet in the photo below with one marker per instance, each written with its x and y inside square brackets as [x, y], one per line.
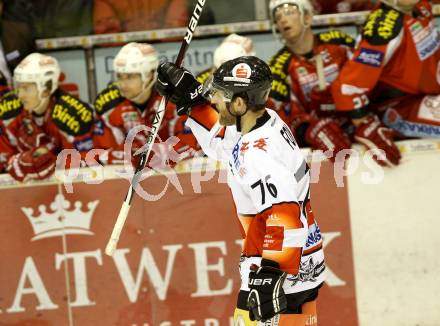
[282, 263]
[232, 46]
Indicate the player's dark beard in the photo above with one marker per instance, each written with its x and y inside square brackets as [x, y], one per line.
[225, 117]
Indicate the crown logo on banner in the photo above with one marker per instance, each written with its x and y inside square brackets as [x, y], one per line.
[62, 219]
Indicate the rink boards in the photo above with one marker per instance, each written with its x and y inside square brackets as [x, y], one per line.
[177, 261]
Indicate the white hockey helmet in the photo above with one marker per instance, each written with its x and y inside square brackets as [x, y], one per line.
[140, 58]
[39, 69]
[233, 46]
[304, 7]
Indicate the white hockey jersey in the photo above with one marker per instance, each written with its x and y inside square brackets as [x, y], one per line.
[269, 180]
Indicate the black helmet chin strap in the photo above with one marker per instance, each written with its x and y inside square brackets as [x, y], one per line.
[238, 123]
[237, 117]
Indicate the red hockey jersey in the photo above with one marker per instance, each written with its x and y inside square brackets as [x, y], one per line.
[397, 53]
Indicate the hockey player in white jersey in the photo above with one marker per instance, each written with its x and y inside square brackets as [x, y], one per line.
[282, 263]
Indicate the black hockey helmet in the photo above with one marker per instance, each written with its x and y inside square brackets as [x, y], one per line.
[248, 77]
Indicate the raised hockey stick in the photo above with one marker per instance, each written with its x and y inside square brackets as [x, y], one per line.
[320, 72]
[125, 208]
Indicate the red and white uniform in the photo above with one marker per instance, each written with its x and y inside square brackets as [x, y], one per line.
[116, 116]
[119, 115]
[269, 180]
[397, 54]
[66, 124]
[68, 121]
[295, 82]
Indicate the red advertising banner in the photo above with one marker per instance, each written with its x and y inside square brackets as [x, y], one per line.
[176, 263]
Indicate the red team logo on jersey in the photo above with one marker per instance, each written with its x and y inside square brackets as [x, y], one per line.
[244, 147]
[261, 144]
